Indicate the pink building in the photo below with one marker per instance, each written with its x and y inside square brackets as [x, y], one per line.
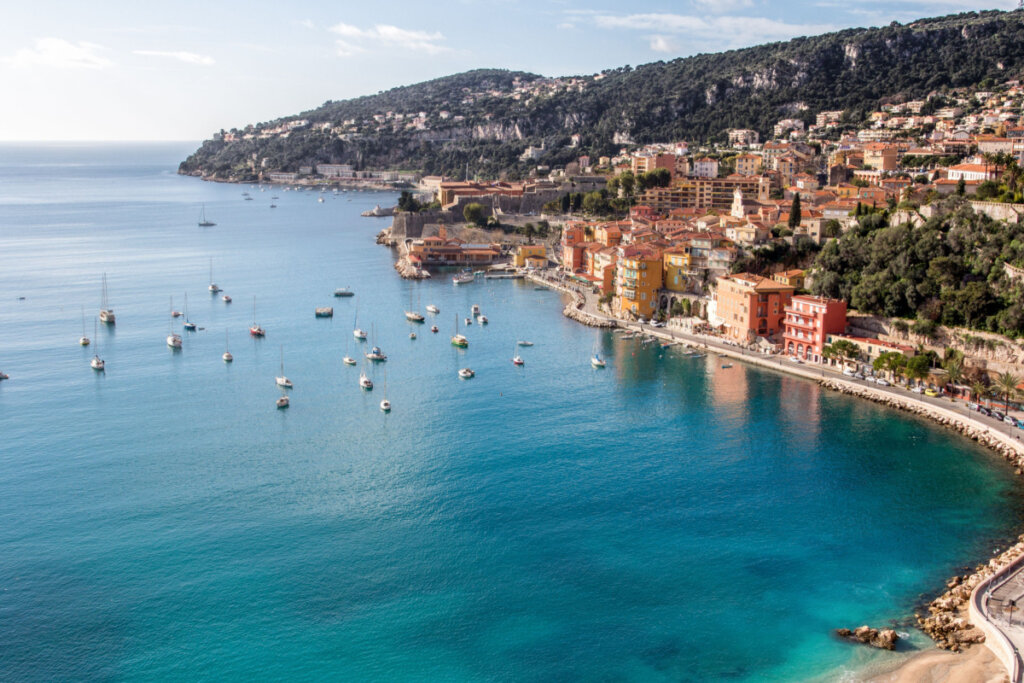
[808, 322]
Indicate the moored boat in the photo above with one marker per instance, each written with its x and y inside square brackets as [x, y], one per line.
[431, 308]
[343, 291]
[466, 373]
[283, 402]
[597, 361]
[324, 312]
[106, 313]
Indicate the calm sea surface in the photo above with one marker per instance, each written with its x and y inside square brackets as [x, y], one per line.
[661, 520]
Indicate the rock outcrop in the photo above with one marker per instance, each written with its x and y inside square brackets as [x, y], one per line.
[884, 639]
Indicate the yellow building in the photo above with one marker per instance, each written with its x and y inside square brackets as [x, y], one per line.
[675, 264]
[638, 279]
[528, 251]
[794, 278]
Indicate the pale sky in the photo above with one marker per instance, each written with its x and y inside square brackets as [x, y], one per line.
[129, 70]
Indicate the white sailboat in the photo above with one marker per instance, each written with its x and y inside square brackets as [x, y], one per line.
[358, 333]
[84, 341]
[283, 401]
[188, 324]
[227, 354]
[385, 404]
[413, 315]
[97, 363]
[213, 285]
[281, 380]
[516, 358]
[173, 340]
[431, 308]
[364, 381]
[347, 359]
[106, 314]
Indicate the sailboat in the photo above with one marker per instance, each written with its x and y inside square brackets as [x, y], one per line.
[173, 340]
[213, 285]
[84, 341]
[385, 404]
[106, 314]
[376, 354]
[411, 315]
[283, 381]
[255, 330]
[597, 361]
[364, 381]
[516, 358]
[227, 354]
[458, 339]
[203, 223]
[97, 363]
[283, 401]
[357, 332]
[188, 324]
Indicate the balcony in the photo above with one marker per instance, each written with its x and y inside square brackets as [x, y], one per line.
[800, 322]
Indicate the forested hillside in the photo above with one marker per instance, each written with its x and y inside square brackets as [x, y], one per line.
[487, 118]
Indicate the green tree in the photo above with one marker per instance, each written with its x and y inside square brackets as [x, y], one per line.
[961, 186]
[794, 213]
[918, 367]
[845, 349]
[475, 213]
[406, 202]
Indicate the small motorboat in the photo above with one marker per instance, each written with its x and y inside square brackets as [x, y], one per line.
[4, 376]
[433, 328]
[726, 366]
[475, 310]
[343, 291]
[466, 373]
[469, 321]
[283, 402]
[226, 299]
[348, 360]
[431, 308]
[175, 314]
[518, 360]
[523, 342]
[324, 312]
[412, 335]
[482, 320]
[257, 331]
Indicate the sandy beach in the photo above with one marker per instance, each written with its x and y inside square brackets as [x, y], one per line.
[975, 665]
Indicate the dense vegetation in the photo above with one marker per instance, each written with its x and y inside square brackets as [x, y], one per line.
[948, 271]
[694, 98]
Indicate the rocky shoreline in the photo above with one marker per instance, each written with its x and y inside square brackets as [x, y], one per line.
[946, 621]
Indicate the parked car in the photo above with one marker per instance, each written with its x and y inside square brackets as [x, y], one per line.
[930, 392]
[848, 372]
[857, 375]
[984, 411]
[794, 359]
[881, 382]
[918, 389]
[973, 406]
[1010, 421]
[998, 415]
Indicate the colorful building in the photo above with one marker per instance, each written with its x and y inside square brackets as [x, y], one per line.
[751, 306]
[675, 266]
[794, 278]
[638, 279]
[528, 251]
[809, 322]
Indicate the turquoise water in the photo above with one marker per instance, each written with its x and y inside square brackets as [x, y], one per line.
[661, 520]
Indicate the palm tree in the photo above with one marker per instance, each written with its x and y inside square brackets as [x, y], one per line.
[978, 391]
[1006, 383]
[955, 369]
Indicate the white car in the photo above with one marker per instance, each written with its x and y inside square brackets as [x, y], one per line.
[848, 372]
[881, 382]
[794, 359]
[918, 389]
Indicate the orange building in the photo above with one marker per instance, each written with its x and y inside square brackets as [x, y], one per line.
[809, 321]
[638, 279]
[752, 306]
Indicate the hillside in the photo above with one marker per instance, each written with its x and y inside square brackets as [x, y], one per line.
[487, 118]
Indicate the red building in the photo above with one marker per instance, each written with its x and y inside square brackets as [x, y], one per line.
[808, 322]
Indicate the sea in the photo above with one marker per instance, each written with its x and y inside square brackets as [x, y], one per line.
[662, 519]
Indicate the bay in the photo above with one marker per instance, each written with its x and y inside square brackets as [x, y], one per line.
[664, 519]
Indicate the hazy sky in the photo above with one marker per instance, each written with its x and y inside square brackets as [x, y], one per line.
[111, 69]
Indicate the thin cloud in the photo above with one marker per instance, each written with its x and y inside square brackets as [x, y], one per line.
[721, 6]
[58, 53]
[355, 39]
[186, 57]
[709, 32]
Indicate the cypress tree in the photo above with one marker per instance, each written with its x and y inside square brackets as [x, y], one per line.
[794, 213]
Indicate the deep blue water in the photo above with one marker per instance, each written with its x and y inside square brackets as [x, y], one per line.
[661, 520]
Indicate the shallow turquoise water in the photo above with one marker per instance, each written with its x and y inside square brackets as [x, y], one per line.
[663, 519]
